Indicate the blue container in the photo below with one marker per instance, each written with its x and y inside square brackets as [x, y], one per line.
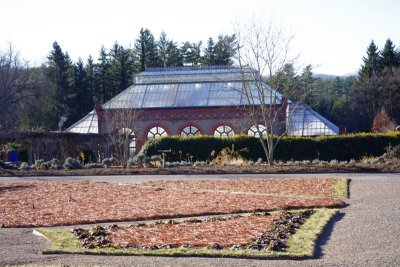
[12, 156]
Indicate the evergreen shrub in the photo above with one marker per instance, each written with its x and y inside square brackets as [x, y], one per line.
[324, 148]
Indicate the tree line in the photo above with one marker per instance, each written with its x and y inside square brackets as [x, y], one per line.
[37, 97]
[354, 101]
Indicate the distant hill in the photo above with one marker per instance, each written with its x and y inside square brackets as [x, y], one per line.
[330, 76]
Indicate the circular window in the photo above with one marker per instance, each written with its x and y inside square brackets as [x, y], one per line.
[253, 131]
[156, 132]
[224, 131]
[190, 131]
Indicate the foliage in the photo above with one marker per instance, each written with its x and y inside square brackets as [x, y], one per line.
[326, 148]
[107, 162]
[382, 123]
[72, 164]
[229, 154]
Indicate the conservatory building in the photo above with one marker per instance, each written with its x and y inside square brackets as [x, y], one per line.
[189, 101]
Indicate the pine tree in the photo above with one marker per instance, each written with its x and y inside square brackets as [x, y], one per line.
[91, 80]
[225, 49]
[102, 74]
[209, 53]
[174, 58]
[163, 48]
[389, 55]
[146, 51]
[191, 52]
[83, 101]
[61, 74]
[121, 68]
[372, 63]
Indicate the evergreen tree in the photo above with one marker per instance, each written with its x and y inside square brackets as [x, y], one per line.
[121, 68]
[225, 49]
[61, 75]
[191, 52]
[163, 48]
[174, 58]
[209, 53]
[145, 50]
[91, 80]
[389, 55]
[83, 101]
[102, 74]
[169, 53]
[372, 63]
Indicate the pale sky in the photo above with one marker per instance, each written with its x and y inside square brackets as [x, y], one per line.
[332, 35]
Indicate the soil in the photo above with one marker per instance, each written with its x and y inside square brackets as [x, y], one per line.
[217, 169]
[33, 204]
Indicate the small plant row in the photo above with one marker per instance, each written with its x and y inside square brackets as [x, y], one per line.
[69, 164]
[274, 239]
[322, 148]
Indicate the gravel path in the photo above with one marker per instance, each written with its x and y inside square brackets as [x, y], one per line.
[366, 233]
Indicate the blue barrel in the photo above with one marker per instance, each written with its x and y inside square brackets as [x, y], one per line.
[12, 156]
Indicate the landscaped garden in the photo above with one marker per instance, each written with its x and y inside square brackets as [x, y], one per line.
[242, 217]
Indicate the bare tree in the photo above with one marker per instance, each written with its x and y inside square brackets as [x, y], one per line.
[14, 88]
[121, 125]
[263, 51]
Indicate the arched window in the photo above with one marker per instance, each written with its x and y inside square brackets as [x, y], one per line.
[156, 132]
[223, 131]
[253, 130]
[190, 131]
[128, 135]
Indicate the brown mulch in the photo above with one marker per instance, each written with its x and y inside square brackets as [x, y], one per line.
[69, 203]
[293, 187]
[227, 233]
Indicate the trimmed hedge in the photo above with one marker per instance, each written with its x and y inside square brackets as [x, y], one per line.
[339, 147]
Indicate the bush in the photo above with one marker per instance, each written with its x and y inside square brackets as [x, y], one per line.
[72, 164]
[24, 166]
[322, 148]
[107, 162]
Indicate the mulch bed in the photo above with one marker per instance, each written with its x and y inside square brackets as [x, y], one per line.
[70, 203]
[293, 187]
[226, 233]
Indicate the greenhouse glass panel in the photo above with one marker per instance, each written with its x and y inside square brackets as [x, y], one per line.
[87, 124]
[225, 94]
[160, 95]
[192, 95]
[129, 98]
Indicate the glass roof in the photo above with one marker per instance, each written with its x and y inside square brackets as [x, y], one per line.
[87, 124]
[195, 74]
[304, 121]
[198, 94]
[206, 87]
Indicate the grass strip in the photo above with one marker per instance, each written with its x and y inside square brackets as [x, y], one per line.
[341, 188]
[301, 245]
[303, 242]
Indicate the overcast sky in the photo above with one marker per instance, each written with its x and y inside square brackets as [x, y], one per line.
[332, 35]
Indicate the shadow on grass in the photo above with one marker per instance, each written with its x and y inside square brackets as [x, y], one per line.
[326, 234]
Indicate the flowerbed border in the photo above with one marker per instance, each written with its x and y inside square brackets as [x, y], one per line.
[301, 245]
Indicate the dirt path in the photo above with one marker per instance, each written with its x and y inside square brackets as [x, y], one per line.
[366, 233]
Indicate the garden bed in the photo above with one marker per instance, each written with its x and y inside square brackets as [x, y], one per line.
[394, 167]
[287, 234]
[68, 203]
